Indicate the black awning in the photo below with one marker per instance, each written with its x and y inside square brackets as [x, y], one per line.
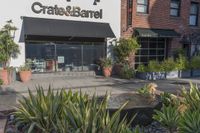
[65, 28]
[166, 33]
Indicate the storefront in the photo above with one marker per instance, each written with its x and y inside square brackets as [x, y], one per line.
[154, 44]
[63, 35]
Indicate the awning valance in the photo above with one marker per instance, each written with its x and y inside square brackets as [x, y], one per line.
[65, 28]
[166, 33]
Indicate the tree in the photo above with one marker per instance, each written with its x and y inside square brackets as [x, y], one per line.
[125, 50]
[9, 49]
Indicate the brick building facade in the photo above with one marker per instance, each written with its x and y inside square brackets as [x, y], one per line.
[165, 18]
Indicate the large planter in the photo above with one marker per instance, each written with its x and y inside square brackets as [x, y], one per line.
[25, 76]
[172, 74]
[4, 76]
[184, 74]
[107, 71]
[195, 72]
[151, 75]
[141, 106]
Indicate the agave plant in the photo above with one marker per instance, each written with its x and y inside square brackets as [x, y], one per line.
[190, 122]
[67, 112]
[192, 98]
[168, 117]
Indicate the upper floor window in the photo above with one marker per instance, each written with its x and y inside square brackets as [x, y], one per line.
[142, 6]
[194, 11]
[175, 8]
[129, 12]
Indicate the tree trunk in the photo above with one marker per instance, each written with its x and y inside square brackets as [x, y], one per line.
[131, 60]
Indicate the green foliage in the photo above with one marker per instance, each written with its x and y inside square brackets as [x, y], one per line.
[67, 112]
[106, 62]
[182, 114]
[168, 117]
[169, 65]
[195, 62]
[137, 130]
[168, 99]
[127, 72]
[142, 68]
[25, 67]
[190, 122]
[1, 82]
[8, 47]
[144, 91]
[182, 62]
[154, 66]
[125, 47]
[192, 97]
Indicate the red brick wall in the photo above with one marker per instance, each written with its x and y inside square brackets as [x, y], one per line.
[159, 17]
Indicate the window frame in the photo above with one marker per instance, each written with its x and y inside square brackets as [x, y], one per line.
[144, 5]
[178, 8]
[196, 14]
[129, 13]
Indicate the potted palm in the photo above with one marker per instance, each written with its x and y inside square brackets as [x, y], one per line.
[106, 64]
[9, 49]
[25, 73]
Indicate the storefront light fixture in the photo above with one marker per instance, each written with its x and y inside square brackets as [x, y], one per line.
[94, 3]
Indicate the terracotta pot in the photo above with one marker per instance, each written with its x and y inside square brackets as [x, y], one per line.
[107, 71]
[25, 76]
[4, 76]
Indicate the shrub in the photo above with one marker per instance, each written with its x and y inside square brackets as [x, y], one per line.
[182, 62]
[190, 122]
[154, 66]
[192, 98]
[195, 62]
[142, 68]
[127, 72]
[169, 99]
[168, 117]
[63, 112]
[125, 47]
[106, 62]
[1, 82]
[169, 65]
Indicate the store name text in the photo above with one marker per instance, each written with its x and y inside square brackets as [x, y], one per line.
[39, 8]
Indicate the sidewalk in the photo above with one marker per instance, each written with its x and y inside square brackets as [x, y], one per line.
[90, 85]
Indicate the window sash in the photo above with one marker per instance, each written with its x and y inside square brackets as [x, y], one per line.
[175, 7]
[142, 7]
[194, 10]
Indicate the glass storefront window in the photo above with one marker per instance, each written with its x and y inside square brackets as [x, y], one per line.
[151, 49]
[70, 56]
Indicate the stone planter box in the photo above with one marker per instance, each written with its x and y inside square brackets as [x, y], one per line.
[151, 75]
[172, 74]
[185, 74]
[195, 72]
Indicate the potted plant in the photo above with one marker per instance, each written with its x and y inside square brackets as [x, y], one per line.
[125, 52]
[183, 66]
[106, 64]
[153, 71]
[170, 67]
[127, 72]
[195, 65]
[25, 73]
[9, 49]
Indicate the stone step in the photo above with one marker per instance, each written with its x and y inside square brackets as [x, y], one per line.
[64, 74]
